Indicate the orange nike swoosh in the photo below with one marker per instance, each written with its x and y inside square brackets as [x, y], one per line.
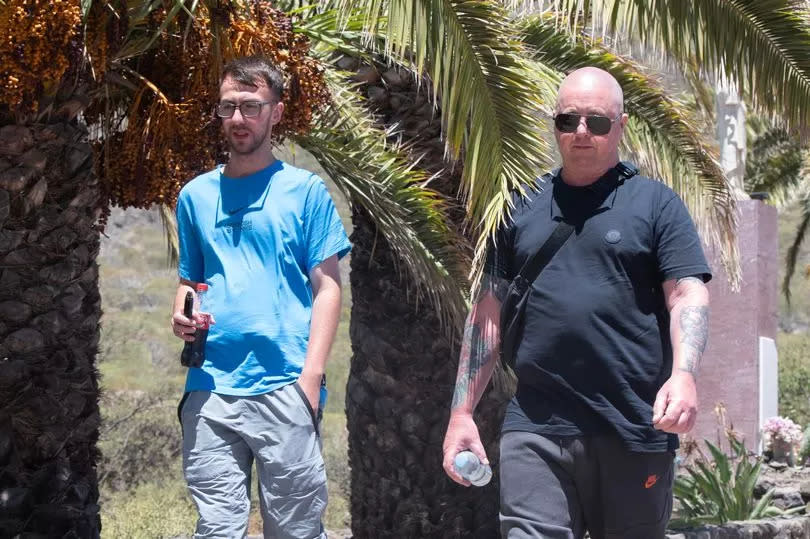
[651, 480]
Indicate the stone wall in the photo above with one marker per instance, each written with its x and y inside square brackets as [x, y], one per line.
[790, 528]
[729, 373]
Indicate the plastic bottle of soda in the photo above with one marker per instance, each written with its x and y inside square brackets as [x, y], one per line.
[473, 470]
[188, 311]
[194, 352]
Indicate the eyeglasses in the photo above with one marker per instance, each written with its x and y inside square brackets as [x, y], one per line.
[598, 125]
[248, 109]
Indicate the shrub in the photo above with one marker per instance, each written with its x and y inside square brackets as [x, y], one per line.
[140, 440]
[720, 490]
[794, 377]
[804, 449]
[154, 509]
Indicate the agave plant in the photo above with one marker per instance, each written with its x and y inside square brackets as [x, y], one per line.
[720, 490]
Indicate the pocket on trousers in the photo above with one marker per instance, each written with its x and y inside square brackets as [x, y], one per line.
[308, 405]
[183, 400]
[201, 470]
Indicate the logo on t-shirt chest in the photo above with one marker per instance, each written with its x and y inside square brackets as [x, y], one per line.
[244, 225]
[613, 236]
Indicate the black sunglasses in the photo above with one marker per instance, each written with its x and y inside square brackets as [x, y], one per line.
[566, 122]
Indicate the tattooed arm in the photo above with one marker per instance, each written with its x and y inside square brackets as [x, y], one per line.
[480, 345]
[675, 407]
[477, 360]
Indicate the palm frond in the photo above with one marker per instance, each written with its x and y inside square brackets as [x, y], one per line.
[333, 31]
[775, 164]
[485, 91]
[378, 177]
[761, 45]
[169, 222]
[663, 135]
[792, 255]
[793, 252]
[142, 36]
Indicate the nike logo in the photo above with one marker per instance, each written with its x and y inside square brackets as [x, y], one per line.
[651, 480]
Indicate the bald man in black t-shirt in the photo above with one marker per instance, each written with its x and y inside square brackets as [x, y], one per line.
[613, 332]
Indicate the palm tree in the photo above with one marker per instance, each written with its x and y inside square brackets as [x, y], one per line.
[448, 130]
[108, 103]
[779, 164]
[403, 364]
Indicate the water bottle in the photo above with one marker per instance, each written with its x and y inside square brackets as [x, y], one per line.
[470, 468]
[194, 352]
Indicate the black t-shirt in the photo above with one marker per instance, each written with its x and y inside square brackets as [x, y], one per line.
[595, 346]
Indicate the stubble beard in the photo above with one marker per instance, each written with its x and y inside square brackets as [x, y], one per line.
[252, 147]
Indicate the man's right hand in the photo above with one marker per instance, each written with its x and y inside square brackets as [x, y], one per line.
[462, 434]
[183, 327]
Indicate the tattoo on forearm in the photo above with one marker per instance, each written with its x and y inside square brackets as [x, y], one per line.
[476, 350]
[694, 335]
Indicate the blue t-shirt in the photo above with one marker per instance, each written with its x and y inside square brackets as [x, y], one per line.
[254, 241]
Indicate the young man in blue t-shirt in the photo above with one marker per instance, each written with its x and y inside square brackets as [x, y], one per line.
[266, 239]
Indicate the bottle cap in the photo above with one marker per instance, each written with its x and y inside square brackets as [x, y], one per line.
[201, 287]
[465, 461]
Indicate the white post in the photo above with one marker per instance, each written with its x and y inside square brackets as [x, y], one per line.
[768, 384]
[731, 133]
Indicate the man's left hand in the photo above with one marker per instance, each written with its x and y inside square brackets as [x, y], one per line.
[675, 408]
[311, 384]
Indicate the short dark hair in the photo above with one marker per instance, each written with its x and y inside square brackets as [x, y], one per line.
[248, 69]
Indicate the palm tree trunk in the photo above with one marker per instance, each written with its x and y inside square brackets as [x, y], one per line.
[49, 331]
[403, 369]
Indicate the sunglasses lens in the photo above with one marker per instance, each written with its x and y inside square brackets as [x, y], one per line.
[598, 125]
[566, 123]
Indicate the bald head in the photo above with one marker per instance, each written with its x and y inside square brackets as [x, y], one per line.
[592, 80]
[586, 95]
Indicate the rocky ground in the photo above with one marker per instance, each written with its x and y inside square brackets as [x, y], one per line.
[791, 484]
[331, 534]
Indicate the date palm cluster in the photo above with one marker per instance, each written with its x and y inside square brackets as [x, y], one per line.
[34, 52]
[151, 115]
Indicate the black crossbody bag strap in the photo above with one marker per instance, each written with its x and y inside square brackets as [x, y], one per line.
[532, 268]
[513, 306]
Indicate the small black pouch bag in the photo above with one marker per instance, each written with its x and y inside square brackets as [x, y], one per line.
[514, 304]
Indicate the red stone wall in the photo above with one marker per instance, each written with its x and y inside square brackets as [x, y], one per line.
[730, 369]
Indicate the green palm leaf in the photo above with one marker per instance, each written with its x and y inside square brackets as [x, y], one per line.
[761, 45]
[662, 136]
[385, 184]
[792, 255]
[333, 31]
[776, 164]
[484, 89]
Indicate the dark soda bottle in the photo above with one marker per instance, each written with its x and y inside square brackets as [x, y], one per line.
[188, 310]
[194, 352]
